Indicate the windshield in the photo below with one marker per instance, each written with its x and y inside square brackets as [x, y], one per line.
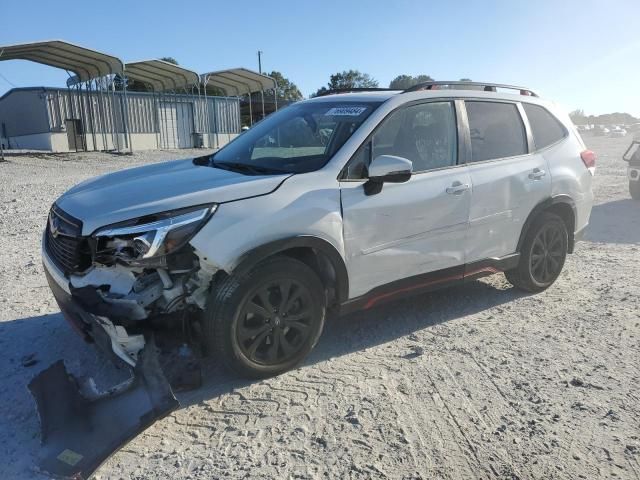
[297, 139]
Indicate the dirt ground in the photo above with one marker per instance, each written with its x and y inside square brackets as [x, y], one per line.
[473, 382]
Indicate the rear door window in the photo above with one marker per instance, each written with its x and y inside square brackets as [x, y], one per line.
[496, 130]
[545, 127]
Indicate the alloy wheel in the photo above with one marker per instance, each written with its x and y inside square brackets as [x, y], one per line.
[275, 321]
[547, 254]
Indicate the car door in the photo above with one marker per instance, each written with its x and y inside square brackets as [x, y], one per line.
[508, 181]
[410, 228]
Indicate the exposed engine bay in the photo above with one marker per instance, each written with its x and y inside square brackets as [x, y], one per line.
[129, 300]
[136, 290]
[133, 276]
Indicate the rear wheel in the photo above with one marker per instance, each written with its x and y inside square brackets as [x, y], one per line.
[543, 254]
[634, 189]
[264, 322]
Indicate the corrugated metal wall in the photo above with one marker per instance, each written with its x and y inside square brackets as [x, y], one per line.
[102, 112]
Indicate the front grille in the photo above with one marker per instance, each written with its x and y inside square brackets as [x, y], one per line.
[64, 242]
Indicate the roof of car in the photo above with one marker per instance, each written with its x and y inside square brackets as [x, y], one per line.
[385, 95]
[434, 89]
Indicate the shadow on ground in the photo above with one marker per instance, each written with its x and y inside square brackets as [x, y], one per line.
[48, 338]
[366, 329]
[617, 221]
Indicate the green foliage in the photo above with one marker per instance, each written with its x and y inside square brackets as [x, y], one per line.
[402, 82]
[578, 117]
[287, 90]
[169, 60]
[346, 80]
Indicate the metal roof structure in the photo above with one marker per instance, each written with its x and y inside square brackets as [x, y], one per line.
[85, 63]
[238, 81]
[161, 75]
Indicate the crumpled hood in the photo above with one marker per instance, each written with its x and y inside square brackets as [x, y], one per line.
[134, 192]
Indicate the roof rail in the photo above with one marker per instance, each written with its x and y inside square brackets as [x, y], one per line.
[487, 87]
[357, 89]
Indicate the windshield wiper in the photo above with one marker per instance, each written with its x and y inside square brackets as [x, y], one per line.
[246, 168]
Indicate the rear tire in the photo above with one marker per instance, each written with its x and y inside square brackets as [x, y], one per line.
[634, 189]
[542, 256]
[265, 321]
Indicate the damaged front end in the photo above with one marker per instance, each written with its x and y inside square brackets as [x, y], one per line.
[134, 289]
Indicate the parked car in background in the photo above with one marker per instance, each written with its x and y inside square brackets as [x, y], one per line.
[336, 203]
[617, 132]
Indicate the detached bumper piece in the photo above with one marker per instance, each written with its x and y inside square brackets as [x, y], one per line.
[80, 432]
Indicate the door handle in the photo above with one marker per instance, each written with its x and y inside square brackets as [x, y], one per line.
[537, 174]
[457, 188]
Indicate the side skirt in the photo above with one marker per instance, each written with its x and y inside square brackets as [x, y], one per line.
[429, 282]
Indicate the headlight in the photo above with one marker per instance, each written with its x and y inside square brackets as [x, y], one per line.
[151, 236]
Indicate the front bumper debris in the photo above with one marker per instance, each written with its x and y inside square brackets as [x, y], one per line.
[81, 427]
[82, 430]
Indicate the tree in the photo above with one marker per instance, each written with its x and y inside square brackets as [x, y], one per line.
[346, 80]
[287, 90]
[402, 82]
[578, 117]
[169, 60]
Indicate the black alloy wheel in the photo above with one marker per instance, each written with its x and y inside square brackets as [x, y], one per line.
[275, 322]
[542, 254]
[264, 321]
[547, 253]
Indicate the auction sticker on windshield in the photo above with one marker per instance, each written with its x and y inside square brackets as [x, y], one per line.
[345, 111]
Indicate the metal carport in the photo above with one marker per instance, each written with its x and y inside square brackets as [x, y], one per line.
[87, 66]
[241, 81]
[174, 118]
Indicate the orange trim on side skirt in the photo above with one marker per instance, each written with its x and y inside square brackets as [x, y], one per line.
[382, 296]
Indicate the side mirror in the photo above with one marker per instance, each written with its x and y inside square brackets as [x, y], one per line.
[387, 169]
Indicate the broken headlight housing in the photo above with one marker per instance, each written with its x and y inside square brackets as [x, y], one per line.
[140, 240]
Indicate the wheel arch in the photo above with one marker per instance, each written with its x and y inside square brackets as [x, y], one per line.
[561, 205]
[317, 253]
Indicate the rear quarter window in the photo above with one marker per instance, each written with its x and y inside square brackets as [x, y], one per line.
[546, 128]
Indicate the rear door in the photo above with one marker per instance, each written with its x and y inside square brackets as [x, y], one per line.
[408, 228]
[508, 181]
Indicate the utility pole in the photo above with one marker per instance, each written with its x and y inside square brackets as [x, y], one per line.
[260, 61]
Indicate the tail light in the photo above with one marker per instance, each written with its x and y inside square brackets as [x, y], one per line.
[589, 159]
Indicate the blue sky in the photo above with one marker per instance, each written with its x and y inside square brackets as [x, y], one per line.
[582, 54]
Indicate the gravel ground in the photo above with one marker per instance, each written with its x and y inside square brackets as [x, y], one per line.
[474, 382]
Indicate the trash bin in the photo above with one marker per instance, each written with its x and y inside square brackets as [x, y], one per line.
[198, 140]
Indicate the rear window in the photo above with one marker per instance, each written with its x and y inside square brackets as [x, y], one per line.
[496, 130]
[545, 127]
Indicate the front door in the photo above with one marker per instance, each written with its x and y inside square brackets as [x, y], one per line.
[75, 135]
[408, 228]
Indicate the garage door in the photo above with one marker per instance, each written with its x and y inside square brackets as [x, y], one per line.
[176, 125]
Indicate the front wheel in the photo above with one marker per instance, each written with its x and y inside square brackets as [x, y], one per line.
[543, 254]
[265, 321]
[634, 189]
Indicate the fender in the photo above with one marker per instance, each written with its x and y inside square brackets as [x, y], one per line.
[544, 205]
[251, 258]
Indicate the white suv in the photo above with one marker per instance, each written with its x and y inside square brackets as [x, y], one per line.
[334, 204]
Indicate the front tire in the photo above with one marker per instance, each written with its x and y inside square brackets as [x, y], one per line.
[543, 254]
[266, 321]
[634, 189]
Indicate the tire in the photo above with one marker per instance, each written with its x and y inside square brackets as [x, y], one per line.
[542, 256]
[634, 189]
[257, 332]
